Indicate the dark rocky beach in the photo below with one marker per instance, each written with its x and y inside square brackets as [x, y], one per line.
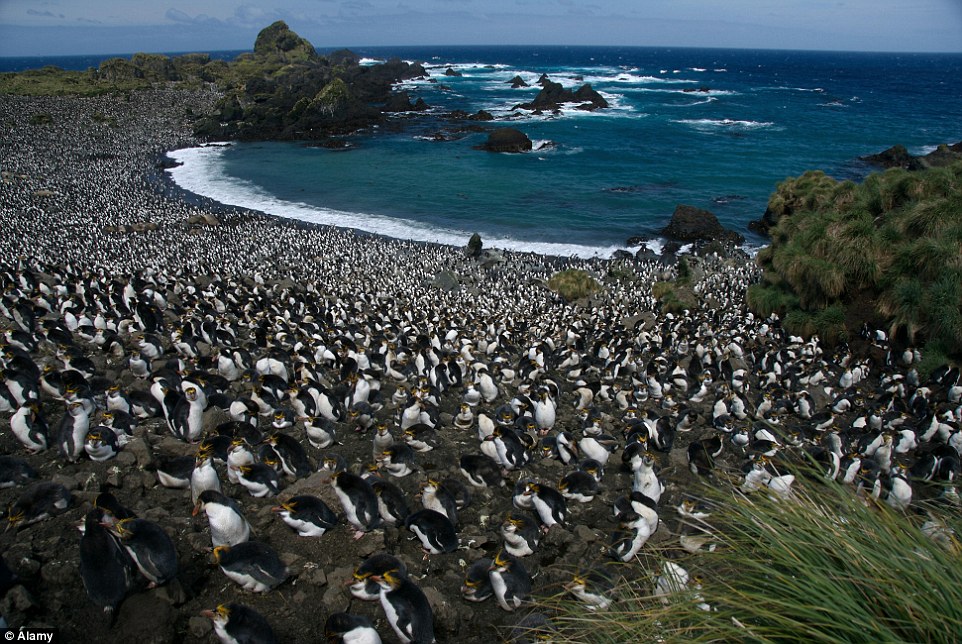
[89, 221]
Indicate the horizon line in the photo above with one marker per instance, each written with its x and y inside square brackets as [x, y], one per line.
[493, 45]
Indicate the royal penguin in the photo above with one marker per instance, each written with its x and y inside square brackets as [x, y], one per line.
[236, 624]
[406, 608]
[510, 581]
[349, 628]
[73, 431]
[358, 501]
[30, 428]
[476, 586]
[364, 584]
[37, 502]
[150, 548]
[15, 471]
[481, 471]
[435, 531]
[306, 514]
[106, 569]
[228, 526]
[521, 534]
[253, 565]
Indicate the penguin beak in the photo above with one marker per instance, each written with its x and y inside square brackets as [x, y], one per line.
[196, 510]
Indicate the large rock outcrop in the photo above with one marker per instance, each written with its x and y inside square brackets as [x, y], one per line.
[553, 95]
[277, 40]
[690, 224]
[507, 139]
[898, 156]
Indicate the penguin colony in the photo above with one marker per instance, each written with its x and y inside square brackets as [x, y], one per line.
[262, 431]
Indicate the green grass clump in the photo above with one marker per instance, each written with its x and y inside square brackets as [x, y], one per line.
[887, 252]
[573, 284]
[823, 566]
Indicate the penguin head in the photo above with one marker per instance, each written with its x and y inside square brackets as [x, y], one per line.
[219, 615]
[501, 562]
[15, 515]
[389, 579]
[220, 551]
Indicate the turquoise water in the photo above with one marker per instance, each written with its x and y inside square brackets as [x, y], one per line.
[710, 128]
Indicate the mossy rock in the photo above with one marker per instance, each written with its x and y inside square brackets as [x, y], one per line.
[277, 40]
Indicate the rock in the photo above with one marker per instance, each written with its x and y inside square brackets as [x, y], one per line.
[213, 417]
[481, 115]
[140, 450]
[199, 627]
[278, 41]
[894, 157]
[517, 82]
[553, 95]
[474, 247]
[205, 219]
[401, 102]
[690, 224]
[507, 139]
[452, 72]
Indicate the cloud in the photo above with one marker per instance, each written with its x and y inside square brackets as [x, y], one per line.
[180, 17]
[44, 14]
[176, 15]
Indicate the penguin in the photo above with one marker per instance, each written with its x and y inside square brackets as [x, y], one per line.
[253, 565]
[480, 471]
[548, 504]
[349, 628]
[434, 496]
[510, 581]
[149, 547]
[15, 471]
[521, 534]
[73, 431]
[579, 486]
[294, 459]
[306, 514]
[358, 500]
[364, 584]
[397, 460]
[321, 433]
[30, 428]
[101, 444]
[593, 588]
[435, 530]
[187, 420]
[391, 502]
[637, 532]
[203, 476]
[106, 569]
[476, 586]
[464, 419]
[421, 438]
[228, 527]
[406, 608]
[174, 471]
[39, 501]
[259, 479]
[236, 623]
[113, 510]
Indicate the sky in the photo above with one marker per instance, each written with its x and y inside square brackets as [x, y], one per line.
[66, 27]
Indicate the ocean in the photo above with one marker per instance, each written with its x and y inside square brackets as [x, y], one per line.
[715, 129]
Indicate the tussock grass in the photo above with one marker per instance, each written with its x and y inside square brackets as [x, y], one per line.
[889, 249]
[823, 566]
[573, 284]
